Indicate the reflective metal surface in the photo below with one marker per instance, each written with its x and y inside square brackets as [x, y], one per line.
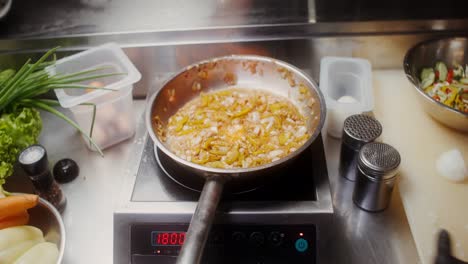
[248, 72]
[158, 55]
[29, 18]
[92, 195]
[362, 237]
[154, 198]
[353, 235]
[356, 236]
[51, 17]
[45, 217]
[426, 54]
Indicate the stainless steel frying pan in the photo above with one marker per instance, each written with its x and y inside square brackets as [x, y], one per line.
[252, 72]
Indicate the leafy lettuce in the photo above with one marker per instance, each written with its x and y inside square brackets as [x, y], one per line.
[18, 129]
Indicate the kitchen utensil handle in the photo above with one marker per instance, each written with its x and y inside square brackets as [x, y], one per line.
[200, 225]
[444, 248]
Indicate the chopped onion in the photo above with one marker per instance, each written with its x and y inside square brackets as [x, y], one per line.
[452, 166]
[347, 99]
[236, 128]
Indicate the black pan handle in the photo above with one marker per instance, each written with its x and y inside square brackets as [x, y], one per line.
[201, 222]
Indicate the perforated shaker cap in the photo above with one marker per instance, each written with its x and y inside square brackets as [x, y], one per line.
[379, 160]
[360, 129]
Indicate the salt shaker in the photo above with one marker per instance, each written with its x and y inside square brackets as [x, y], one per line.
[377, 172]
[35, 163]
[357, 130]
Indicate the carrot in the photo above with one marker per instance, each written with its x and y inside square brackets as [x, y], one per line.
[15, 204]
[15, 220]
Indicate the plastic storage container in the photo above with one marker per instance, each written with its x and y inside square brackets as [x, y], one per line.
[346, 84]
[114, 109]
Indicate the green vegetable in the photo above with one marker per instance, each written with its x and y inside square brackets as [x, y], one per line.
[458, 72]
[442, 69]
[18, 129]
[464, 80]
[427, 77]
[20, 93]
[426, 72]
[6, 74]
[31, 81]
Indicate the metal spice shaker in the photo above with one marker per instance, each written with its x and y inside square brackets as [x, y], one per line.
[377, 172]
[357, 130]
[35, 163]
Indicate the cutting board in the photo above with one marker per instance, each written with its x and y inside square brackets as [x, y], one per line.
[431, 202]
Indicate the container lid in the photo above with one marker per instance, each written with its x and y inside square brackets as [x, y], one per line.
[379, 160]
[360, 129]
[108, 56]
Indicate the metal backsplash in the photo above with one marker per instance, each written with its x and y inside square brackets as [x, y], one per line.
[384, 44]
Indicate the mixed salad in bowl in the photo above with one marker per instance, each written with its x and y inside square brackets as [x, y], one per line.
[447, 85]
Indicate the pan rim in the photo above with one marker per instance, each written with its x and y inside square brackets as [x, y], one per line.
[237, 171]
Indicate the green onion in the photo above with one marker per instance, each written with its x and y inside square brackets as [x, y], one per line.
[32, 80]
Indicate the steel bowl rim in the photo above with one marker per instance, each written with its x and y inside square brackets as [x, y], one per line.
[408, 74]
[61, 224]
[58, 216]
[237, 171]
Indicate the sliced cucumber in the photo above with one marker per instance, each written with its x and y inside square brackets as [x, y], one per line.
[464, 80]
[426, 72]
[442, 69]
[427, 77]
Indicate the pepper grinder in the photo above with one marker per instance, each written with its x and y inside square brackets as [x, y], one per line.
[357, 130]
[35, 163]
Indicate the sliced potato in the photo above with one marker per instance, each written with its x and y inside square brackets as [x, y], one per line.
[14, 235]
[42, 253]
[12, 253]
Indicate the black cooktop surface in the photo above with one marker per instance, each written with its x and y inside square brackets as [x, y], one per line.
[296, 183]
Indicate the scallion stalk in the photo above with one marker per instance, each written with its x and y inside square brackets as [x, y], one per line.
[32, 80]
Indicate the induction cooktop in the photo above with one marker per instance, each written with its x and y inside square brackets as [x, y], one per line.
[276, 222]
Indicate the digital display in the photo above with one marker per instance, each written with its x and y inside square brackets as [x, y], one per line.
[167, 238]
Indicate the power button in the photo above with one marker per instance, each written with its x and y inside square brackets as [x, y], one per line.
[301, 245]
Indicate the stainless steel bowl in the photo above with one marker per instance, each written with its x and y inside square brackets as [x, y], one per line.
[45, 217]
[426, 54]
[5, 6]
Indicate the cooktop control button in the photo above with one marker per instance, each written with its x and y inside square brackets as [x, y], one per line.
[217, 238]
[276, 238]
[301, 245]
[239, 237]
[257, 238]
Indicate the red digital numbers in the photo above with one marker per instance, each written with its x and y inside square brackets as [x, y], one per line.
[181, 238]
[170, 239]
[174, 238]
[165, 239]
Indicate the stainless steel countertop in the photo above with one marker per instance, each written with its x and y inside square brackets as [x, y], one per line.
[362, 237]
[355, 236]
